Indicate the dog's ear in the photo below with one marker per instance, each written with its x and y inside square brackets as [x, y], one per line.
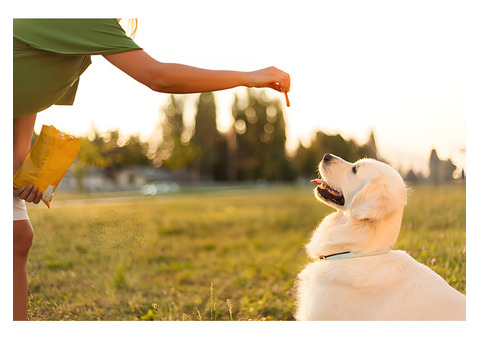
[372, 202]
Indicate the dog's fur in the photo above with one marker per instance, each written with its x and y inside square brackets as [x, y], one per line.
[390, 286]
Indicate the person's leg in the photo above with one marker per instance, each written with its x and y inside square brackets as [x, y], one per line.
[22, 229]
[22, 240]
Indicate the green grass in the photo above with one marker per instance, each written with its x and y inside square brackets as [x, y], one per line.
[217, 255]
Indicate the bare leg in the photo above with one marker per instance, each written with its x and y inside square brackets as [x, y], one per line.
[22, 229]
[22, 240]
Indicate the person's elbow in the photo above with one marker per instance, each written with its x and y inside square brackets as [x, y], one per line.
[157, 83]
[159, 80]
[140, 66]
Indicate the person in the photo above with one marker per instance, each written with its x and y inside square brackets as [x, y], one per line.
[49, 56]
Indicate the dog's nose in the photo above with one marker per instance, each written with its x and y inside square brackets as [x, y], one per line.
[327, 157]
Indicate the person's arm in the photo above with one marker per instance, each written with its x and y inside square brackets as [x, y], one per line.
[178, 78]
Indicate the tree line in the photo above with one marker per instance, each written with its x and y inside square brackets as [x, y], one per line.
[252, 149]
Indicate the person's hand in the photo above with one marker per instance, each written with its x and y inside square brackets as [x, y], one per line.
[30, 193]
[270, 77]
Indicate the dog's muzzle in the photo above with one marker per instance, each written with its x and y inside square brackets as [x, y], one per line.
[328, 193]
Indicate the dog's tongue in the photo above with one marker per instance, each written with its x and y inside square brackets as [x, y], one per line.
[317, 181]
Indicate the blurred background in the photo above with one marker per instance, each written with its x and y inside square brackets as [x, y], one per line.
[252, 151]
[368, 79]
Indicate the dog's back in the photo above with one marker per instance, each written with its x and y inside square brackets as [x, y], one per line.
[391, 286]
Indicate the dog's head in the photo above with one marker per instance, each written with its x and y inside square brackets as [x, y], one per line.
[366, 190]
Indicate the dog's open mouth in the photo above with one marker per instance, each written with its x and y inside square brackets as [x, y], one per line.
[328, 193]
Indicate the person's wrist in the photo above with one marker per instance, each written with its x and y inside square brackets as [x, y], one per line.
[247, 79]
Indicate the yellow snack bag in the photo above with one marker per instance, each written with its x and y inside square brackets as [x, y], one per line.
[47, 162]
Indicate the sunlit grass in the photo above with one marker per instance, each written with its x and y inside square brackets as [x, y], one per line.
[230, 255]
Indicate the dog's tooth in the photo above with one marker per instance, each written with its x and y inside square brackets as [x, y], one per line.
[334, 192]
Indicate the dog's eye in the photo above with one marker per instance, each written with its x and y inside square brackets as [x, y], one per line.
[354, 169]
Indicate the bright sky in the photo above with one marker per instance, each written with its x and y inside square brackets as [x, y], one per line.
[355, 66]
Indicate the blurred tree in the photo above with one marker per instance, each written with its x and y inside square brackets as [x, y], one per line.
[411, 177]
[90, 154]
[173, 150]
[369, 149]
[307, 159]
[276, 166]
[134, 152]
[108, 153]
[440, 171]
[337, 145]
[305, 162]
[211, 157]
[260, 138]
[110, 150]
[246, 139]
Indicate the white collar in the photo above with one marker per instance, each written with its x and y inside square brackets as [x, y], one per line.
[347, 255]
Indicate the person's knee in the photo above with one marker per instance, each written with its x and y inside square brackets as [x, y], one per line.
[22, 237]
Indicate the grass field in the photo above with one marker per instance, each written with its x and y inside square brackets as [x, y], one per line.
[212, 255]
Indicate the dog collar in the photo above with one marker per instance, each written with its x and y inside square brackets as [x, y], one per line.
[347, 255]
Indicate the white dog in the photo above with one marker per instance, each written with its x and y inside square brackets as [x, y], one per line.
[356, 276]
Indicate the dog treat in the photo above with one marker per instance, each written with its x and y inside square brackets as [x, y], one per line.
[47, 162]
[286, 98]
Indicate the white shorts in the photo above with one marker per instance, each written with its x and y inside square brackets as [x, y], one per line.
[19, 209]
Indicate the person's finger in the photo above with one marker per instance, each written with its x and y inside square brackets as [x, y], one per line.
[285, 82]
[32, 194]
[276, 86]
[38, 197]
[24, 194]
[18, 191]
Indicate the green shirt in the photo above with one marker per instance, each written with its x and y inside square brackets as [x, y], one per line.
[49, 55]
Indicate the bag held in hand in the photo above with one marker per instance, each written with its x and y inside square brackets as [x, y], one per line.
[47, 162]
